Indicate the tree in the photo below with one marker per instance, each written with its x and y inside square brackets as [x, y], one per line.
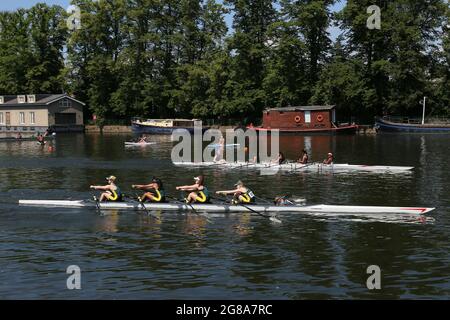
[343, 83]
[397, 57]
[249, 48]
[31, 50]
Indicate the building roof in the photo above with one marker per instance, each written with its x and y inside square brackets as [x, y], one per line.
[302, 108]
[41, 100]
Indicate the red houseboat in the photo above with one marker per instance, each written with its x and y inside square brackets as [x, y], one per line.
[307, 119]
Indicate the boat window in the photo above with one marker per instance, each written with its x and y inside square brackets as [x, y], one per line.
[307, 116]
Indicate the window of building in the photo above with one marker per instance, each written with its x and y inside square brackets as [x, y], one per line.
[65, 103]
[21, 99]
[22, 118]
[32, 118]
[2, 119]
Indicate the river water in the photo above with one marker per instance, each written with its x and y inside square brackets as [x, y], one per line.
[128, 255]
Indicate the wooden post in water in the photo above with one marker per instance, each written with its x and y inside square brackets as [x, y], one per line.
[423, 112]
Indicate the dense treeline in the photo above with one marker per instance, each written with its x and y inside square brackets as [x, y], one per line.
[166, 58]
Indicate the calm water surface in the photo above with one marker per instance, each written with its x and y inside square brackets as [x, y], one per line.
[129, 255]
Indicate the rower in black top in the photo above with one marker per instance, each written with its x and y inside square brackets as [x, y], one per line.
[304, 158]
[329, 159]
[280, 159]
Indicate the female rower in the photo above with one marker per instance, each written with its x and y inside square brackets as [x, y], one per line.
[154, 191]
[112, 191]
[40, 139]
[198, 192]
[241, 194]
[329, 159]
[304, 158]
[220, 150]
[142, 139]
[280, 159]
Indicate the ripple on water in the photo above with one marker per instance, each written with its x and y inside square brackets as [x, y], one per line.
[130, 255]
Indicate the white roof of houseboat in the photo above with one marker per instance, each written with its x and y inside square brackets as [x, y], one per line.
[302, 108]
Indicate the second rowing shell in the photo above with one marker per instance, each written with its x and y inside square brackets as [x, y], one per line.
[138, 144]
[299, 167]
[224, 208]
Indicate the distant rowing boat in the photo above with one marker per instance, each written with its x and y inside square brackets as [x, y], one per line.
[163, 126]
[226, 208]
[299, 167]
[229, 145]
[138, 144]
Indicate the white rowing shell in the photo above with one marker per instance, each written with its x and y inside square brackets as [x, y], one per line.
[298, 167]
[230, 208]
[138, 144]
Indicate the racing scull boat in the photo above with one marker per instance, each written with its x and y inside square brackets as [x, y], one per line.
[299, 167]
[228, 208]
[138, 144]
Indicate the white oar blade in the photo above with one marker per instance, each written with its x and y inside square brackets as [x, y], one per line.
[275, 220]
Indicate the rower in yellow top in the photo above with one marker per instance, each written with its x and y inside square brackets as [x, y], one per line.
[198, 191]
[111, 190]
[153, 192]
[241, 194]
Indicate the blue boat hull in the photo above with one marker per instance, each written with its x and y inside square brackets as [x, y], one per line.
[386, 126]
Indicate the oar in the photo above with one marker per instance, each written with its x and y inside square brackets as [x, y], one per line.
[192, 208]
[272, 165]
[303, 167]
[145, 209]
[246, 165]
[271, 218]
[97, 204]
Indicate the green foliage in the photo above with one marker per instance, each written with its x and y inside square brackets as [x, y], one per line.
[177, 58]
[31, 50]
[398, 58]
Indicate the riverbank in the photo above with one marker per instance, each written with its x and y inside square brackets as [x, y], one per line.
[127, 129]
[364, 129]
[107, 129]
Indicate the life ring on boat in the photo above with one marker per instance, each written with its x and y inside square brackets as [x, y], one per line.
[320, 118]
[297, 119]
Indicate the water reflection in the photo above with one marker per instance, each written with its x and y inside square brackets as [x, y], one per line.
[132, 255]
[243, 228]
[108, 222]
[195, 226]
[150, 224]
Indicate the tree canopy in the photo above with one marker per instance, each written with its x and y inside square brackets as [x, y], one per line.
[167, 58]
